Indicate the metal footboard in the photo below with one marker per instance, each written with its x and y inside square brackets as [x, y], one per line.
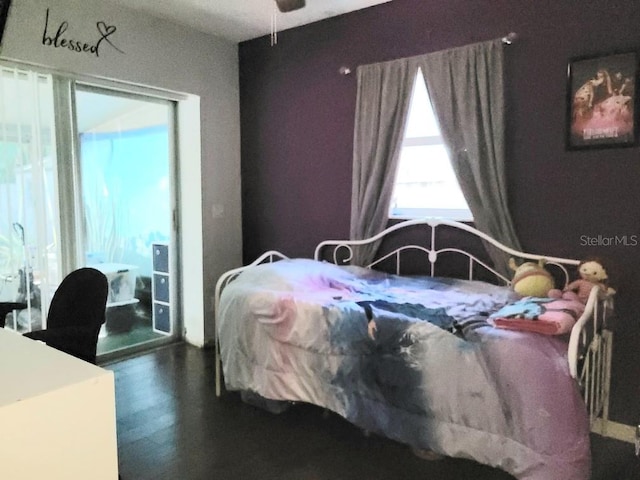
[223, 281]
[595, 379]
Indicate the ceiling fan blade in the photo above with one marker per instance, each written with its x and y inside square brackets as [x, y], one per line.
[290, 5]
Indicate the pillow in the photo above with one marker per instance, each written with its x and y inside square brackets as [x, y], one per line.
[292, 274]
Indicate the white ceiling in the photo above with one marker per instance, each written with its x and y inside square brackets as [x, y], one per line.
[239, 20]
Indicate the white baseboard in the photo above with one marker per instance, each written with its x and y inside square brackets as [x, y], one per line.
[615, 430]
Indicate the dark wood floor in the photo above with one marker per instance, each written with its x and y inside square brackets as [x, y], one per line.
[171, 426]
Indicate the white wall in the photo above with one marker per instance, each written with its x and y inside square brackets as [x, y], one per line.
[143, 50]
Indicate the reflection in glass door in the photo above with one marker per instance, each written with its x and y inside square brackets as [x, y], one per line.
[125, 146]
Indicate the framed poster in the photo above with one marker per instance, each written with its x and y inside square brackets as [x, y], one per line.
[4, 12]
[601, 103]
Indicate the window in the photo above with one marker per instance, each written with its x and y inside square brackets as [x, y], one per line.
[425, 185]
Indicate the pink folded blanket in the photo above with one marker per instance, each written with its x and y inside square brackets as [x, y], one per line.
[549, 316]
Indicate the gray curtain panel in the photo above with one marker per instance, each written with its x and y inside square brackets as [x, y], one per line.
[466, 89]
[384, 93]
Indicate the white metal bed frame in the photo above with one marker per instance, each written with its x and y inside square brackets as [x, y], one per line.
[590, 342]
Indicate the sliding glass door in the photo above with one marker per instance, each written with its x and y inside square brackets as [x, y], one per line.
[29, 227]
[87, 179]
[125, 158]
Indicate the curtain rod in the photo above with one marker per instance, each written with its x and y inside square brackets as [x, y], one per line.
[508, 39]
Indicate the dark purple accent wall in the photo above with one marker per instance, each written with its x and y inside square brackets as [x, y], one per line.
[297, 115]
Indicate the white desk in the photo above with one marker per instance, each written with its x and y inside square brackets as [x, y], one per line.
[57, 414]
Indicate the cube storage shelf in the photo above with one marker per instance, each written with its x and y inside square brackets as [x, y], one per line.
[161, 289]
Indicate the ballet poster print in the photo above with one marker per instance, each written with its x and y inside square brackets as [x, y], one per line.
[601, 103]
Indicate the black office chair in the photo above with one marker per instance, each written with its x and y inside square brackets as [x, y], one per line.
[76, 313]
[7, 307]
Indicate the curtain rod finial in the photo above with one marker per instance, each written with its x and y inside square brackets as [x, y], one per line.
[509, 38]
[344, 70]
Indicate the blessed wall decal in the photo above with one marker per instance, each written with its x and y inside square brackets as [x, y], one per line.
[61, 39]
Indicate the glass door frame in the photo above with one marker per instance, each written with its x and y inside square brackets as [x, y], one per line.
[77, 232]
